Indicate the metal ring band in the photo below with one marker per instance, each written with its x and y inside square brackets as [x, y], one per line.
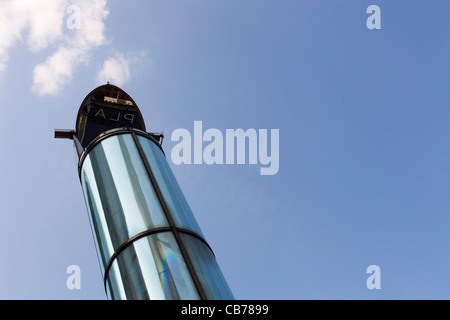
[144, 234]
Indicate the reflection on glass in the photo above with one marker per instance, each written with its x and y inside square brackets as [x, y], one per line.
[151, 268]
[178, 206]
[122, 203]
[207, 269]
[119, 194]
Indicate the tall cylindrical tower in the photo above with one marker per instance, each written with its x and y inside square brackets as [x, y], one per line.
[148, 241]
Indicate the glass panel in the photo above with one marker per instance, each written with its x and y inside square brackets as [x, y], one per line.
[115, 289]
[151, 268]
[178, 206]
[119, 195]
[207, 269]
[96, 215]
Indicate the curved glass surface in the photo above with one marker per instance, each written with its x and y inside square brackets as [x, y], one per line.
[207, 269]
[122, 203]
[151, 268]
[171, 191]
[118, 193]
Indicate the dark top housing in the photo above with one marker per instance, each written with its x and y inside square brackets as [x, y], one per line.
[106, 107]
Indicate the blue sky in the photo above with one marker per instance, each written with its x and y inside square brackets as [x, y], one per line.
[364, 171]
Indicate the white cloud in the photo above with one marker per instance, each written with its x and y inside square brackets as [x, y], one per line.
[116, 70]
[57, 71]
[45, 22]
[41, 24]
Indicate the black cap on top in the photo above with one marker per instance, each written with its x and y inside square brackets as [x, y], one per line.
[106, 107]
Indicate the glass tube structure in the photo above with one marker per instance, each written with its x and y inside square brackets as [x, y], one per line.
[149, 244]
